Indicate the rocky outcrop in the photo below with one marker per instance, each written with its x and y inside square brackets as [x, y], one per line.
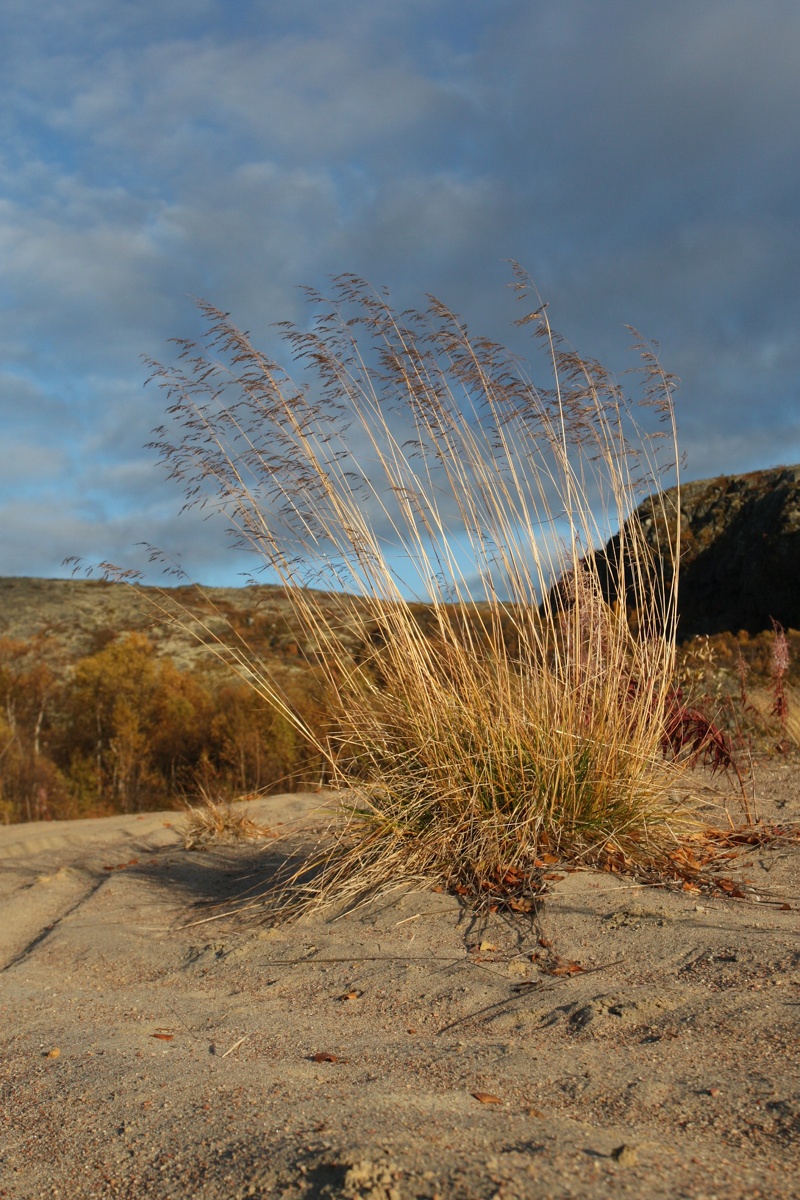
[740, 551]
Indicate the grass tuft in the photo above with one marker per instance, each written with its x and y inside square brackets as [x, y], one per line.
[218, 822]
[526, 723]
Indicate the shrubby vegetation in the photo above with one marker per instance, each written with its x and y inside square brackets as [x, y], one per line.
[750, 683]
[123, 730]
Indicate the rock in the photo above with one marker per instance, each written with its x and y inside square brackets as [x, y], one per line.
[740, 551]
[625, 1155]
[365, 1180]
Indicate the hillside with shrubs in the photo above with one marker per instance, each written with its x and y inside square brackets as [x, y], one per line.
[108, 706]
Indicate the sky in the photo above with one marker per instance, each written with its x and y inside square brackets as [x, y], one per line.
[641, 160]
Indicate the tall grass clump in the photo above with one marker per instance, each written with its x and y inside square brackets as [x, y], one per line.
[418, 462]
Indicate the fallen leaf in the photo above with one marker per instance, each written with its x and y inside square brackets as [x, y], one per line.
[554, 878]
[350, 995]
[625, 1155]
[713, 1091]
[54, 1053]
[785, 908]
[321, 1056]
[522, 904]
[486, 946]
[121, 866]
[163, 1037]
[543, 941]
[684, 857]
[536, 1112]
[564, 968]
[412, 1031]
[486, 1098]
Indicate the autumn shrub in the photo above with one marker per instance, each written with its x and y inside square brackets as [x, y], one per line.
[32, 788]
[750, 683]
[421, 464]
[777, 705]
[121, 715]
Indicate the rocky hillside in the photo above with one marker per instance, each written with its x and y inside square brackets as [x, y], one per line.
[72, 618]
[740, 551]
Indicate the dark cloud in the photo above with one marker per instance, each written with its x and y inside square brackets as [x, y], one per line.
[642, 160]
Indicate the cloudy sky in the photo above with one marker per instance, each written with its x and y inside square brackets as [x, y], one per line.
[642, 160]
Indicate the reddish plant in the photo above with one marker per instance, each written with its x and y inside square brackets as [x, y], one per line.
[778, 668]
[688, 730]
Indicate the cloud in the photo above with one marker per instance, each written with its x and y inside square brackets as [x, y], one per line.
[641, 160]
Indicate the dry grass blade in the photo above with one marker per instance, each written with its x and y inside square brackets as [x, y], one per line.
[526, 714]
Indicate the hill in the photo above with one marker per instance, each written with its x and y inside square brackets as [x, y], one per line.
[72, 618]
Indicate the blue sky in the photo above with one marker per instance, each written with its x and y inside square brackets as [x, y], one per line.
[641, 160]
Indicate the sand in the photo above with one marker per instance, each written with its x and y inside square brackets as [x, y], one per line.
[410, 1049]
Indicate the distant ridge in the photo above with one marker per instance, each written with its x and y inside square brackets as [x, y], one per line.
[75, 617]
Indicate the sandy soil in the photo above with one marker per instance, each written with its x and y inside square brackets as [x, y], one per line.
[407, 1050]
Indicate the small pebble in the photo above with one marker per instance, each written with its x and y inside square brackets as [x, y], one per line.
[625, 1155]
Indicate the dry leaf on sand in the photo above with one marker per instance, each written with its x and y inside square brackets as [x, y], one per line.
[563, 968]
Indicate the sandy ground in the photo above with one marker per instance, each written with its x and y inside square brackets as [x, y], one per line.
[144, 1056]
